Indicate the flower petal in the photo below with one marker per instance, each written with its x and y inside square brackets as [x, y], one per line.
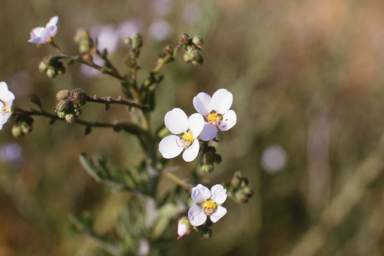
[218, 214]
[208, 133]
[176, 121]
[196, 216]
[5, 94]
[218, 194]
[170, 146]
[229, 120]
[52, 22]
[202, 103]
[200, 193]
[222, 101]
[196, 124]
[191, 152]
[3, 119]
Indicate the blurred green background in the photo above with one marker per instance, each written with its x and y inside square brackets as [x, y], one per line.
[308, 91]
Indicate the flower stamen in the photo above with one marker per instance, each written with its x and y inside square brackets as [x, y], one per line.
[187, 139]
[209, 207]
[214, 118]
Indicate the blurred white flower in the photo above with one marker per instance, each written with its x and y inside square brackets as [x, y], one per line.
[191, 13]
[91, 72]
[41, 35]
[208, 204]
[10, 152]
[127, 28]
[274, 158]
[6, 101]
[216, 112]
[162, 7]
[160, 30]
[106, 37]
[144, 247]
[177, 122]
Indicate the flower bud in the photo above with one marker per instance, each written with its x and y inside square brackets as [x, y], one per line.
[198, 60]
[81, 34]
[70, 118]
[184, 227]
[186, 58]
[85, 46]
[60, 114]
[60, 68]
[51, 72]
[78, 95]
[127, 41]
[248, 191]
[168, 49]
[63, 95]
[207, 168]
[184, 38]
[16, 131]
[62, 106]
[88, 57]
[43, 66]
[78, 112]
[26, 127]
[137, 41]
[198, 41]
[241, 196]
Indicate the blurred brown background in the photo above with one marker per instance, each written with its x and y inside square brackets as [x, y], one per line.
[308, 90]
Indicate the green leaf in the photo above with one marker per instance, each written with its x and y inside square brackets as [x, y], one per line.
[70, 61]
[89, 166]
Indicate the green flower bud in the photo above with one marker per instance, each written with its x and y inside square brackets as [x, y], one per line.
[78, 95]
[62, 106]
[63, 95]
[207, 168]
[137, 41]
[60, 114]
[244, 182]
[198, 60]
[184, 38]
[70, 118]
[17, 131]
[78, 112]
[60, 68]
[241, 197]
[26, 128]
[186, 58]
[43, 66]
[51, 72]
[248, 191]
[85, 46]
[198, 41]
[81, 34]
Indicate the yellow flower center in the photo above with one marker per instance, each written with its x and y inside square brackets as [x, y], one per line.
[209, 207]
[214, 118]
[4, 108]
[187, 139]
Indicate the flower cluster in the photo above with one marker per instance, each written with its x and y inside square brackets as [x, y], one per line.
[213, 115]
[6, 101]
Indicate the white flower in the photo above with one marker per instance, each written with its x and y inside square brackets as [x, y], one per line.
[6, 100]
[178, 123]
[208, 204]
[41, 35]
[216, 112]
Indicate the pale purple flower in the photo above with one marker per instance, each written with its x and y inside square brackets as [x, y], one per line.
[189, 129]
[6, 101]
[208, 204]
[41, 35]
[216, 112]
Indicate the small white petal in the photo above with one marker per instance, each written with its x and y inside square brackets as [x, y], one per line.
[208, 133]
[222, 101]
[52, 22]
[191, 152]
[196, 124]
[218, 214]
[202, 103]
[196, 216]
[218, 194]
[229, 120]
[200, 193]
[176, 121]
[170, 146]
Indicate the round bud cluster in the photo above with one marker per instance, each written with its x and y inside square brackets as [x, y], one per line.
[84, 41]
[22, 126]
[69, 102]
[52, 67]
[192, 48]
[209, 159]
[238, 187]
